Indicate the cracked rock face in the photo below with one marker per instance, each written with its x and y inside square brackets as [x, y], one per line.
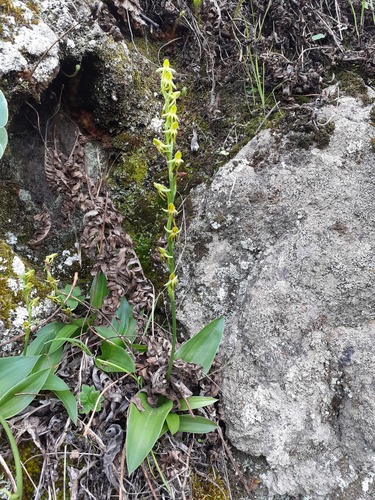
[283, 242]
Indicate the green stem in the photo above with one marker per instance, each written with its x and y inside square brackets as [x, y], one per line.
[174, 333]
[170, 131]
[27, 330]
[16, 456]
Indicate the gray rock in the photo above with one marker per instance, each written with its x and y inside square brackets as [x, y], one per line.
[62, 73]
[282, 244]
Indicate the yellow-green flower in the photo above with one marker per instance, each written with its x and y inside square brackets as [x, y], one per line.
[162, 190]
[172, 233]
[178, 159]
[172, 113]
[164, 254]
[166, 71]
[172, 282]
[171, 210]
[160, 146]
[172, 131]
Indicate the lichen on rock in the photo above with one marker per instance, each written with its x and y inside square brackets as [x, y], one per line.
[285, 249]
[13, 312]
[24, 43]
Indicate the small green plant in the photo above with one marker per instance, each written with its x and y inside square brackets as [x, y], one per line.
[254, 69]
[3, 122]
[359, 24]
[90, 399]
[146, 424]
[25, 376]
[197, 5]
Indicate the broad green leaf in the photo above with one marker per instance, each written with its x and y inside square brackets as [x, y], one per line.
[66, 332]
[318, 36]
[143, 430]
[3, 140]
[201, 348]
[48, 332]
[22, 394]
[139, 347]
[48, 361]
[14, 370]
[70, 404]
[75, 297]
[124, 322]
[196, 425]
[107, 332]
[82, 322]
[3, 110]
[195, 402]
[99, 290]
[114, 359]
[56, 385]
[173, 422]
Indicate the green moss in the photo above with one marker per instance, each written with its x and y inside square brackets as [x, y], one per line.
[352, 84]
[302, 99]
[126, 139]
[133, 168]
[319, 137]
[143, 221]
[124, 92]
[212, 488]
[322, 135]
[137, 80]
[143, 46]
[11, 299]
[373, 144]
[32, 459]
[33, 6]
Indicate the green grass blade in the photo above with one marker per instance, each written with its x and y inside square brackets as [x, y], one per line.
[143, 430]
[202, 348]
[76, 342]
[162, 477]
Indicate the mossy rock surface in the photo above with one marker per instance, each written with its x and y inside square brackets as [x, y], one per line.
[13, 312]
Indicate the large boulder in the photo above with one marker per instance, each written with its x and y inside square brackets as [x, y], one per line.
[282, 243]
